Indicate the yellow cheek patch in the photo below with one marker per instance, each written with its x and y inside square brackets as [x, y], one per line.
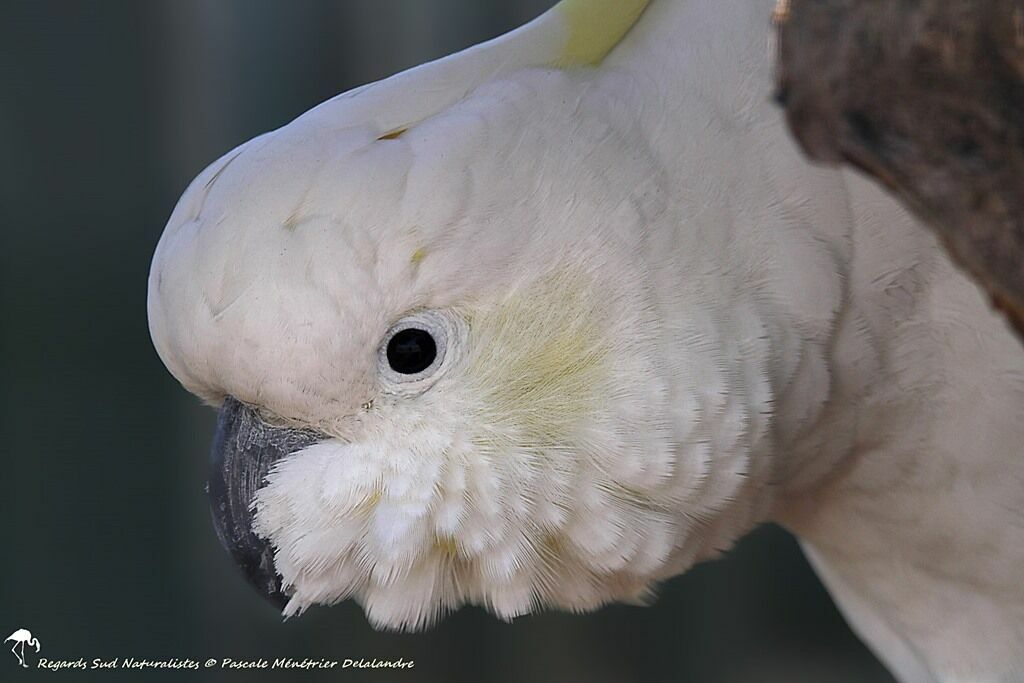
[540, 362]
[595, 27]
[418, 256]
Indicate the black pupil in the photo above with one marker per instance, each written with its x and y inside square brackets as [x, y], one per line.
[410, 351]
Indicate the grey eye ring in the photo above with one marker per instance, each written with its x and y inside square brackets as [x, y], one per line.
[417, 349]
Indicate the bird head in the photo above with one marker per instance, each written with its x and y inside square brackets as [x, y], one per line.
[438, 355]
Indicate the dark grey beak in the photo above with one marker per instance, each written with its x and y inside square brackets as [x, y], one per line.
[244, 448]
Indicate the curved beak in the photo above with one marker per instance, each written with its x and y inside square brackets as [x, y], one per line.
[244, 448]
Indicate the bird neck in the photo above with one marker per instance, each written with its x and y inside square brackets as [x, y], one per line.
[758, 238]
[723, 49]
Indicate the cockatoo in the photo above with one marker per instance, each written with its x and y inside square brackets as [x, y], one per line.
[546, 322]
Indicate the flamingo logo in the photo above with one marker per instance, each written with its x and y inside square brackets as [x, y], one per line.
[21, 637]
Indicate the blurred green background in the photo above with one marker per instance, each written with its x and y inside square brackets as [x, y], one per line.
[107, 110]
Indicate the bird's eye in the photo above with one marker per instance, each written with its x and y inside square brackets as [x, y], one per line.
[411, 351]
[418, 349]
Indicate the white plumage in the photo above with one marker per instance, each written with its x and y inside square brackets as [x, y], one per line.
[661, 327]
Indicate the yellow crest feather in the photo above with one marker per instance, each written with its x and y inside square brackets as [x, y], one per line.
[595, 27]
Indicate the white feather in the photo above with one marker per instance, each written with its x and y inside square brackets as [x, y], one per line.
[676, 329]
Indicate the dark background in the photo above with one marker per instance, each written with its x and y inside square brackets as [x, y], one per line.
[107, 110]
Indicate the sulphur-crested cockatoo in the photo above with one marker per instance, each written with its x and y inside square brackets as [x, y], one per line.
[548, 321]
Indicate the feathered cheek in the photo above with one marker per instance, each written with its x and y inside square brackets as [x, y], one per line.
[343, 516]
